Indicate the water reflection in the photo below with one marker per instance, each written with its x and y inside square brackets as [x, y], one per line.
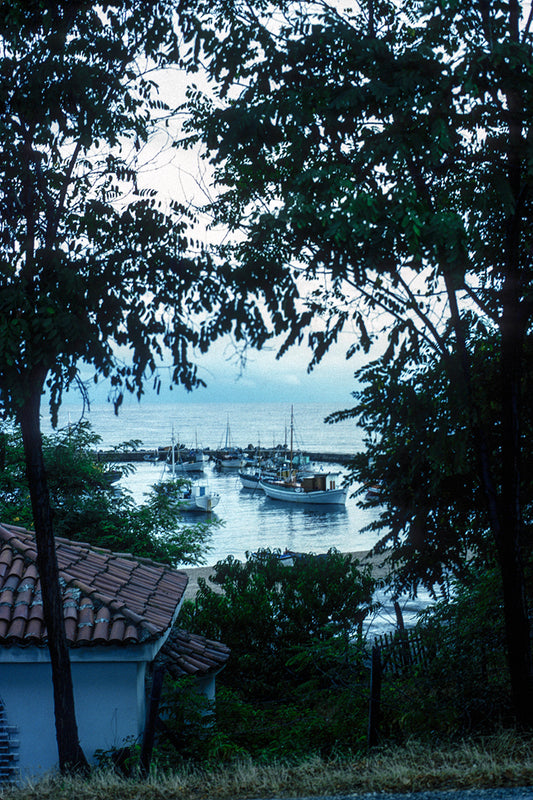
[251, 521]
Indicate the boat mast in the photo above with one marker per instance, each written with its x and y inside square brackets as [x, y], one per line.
[293, 477]
[228, 435]
[173, 456]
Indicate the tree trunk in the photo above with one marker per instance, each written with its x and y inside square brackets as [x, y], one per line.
[513, 329]
[71, 756]
[508, 537]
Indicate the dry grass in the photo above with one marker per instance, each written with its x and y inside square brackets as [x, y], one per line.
[503, 760]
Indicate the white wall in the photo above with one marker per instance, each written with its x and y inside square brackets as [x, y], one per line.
[109, 698]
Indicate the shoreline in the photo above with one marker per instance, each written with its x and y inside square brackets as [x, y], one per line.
[194, 573]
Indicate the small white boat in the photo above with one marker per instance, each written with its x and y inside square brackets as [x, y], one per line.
[231, 460]
[229, 457]
[198, 497]
[321, 488]
[186, 460]
[250, 480]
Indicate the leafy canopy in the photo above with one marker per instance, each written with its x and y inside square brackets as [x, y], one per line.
[89, 506]
[365, 150]
[93, 267]
[284, 625]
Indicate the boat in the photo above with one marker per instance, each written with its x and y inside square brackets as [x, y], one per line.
[287, 558]
[231, 460]
[192, 496]
[373, 492]
[229, 457]
[250, 480]
[320, 488]
[183, 460]
[198, 497]
[186, 460]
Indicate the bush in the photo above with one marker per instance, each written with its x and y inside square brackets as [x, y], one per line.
[295, 682]
[460, 684]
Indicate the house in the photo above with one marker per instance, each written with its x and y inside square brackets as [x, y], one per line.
[118, 612]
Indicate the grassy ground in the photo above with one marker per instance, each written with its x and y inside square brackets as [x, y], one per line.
[503, 760]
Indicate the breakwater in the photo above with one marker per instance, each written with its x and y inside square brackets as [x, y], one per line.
[160, 454]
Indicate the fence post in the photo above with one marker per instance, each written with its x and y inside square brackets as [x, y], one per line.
[375, 697]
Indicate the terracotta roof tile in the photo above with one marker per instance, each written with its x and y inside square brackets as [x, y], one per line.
[108, 598]
[191, 654]
[71, 628]
[117, 630]
[17, 629]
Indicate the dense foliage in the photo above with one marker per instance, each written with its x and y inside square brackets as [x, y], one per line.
[309, 694]
[381, 155]
[296, 681]
[456, 684]
[88, 506]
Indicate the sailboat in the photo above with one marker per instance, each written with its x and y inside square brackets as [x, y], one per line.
[320, 487]
[186, 460]
[194, 496]
[229, 457]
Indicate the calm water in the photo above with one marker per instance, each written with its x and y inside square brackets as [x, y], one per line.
[249, 519]
[266, 424]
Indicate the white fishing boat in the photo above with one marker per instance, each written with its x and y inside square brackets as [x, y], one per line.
[321, 488]
[186, 461]
[230, 460]
[249, 479]
[198, 497]
[229, 457]
[192, 496]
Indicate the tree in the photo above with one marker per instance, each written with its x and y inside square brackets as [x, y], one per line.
[87, 506]
[430, 505]
[297, 653]
[92, 269]
[381, 158]
[268, 613]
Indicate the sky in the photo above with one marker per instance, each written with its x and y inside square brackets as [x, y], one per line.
[263, 379]
[184, 176]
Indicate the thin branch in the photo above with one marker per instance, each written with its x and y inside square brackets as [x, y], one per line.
[484, 307]
[420, 314]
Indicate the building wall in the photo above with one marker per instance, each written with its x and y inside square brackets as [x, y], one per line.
[109, 698]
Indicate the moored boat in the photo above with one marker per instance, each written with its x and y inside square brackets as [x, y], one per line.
[229, 457]
[198, 497]
[186, 460]
[319, 488]
[250, 480]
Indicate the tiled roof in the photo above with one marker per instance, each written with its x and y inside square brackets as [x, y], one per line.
[108, 598]
[191, 654]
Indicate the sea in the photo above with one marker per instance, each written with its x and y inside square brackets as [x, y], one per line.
[248, 519]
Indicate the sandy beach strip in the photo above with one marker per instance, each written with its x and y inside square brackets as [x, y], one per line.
[204, 572]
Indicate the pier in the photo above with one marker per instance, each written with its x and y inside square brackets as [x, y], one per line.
[161, 453]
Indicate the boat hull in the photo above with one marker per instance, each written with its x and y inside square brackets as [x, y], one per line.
[295, 494]
[206, 503]
[230, 463]
[188, 466]
[200, 499]
[249, 481]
